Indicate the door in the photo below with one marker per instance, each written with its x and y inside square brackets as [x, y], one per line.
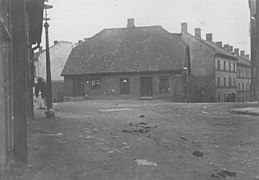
[124, 86]
[146, 86]
[78, 85]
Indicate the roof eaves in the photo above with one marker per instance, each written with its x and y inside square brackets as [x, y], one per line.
[225, 56]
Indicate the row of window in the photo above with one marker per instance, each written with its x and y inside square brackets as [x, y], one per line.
[245, 87]
[243, 73]
[231, 82]
[226, 66]
[232, 98]
[125, 84]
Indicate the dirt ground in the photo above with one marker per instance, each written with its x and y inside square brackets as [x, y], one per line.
[141, 140]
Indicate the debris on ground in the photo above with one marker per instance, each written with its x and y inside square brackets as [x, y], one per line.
[223, 174]
[204, 112]
[141, 127]
[144, 162]
[187, 139]
[125, 146]
[142, 116]
[197, 153]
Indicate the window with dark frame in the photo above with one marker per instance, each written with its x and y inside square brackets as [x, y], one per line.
[229, 66]
[163, 84]
[218, 61]
[225, 84]
[230, 82]
[96, 84]
[124, 86]
[218, 81]
[224, 65]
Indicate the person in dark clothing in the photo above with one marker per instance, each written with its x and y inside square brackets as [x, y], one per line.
[228, 98]
[40, 92]
[233, 97]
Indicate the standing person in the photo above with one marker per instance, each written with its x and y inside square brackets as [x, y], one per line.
[40, 91]
[233, 97]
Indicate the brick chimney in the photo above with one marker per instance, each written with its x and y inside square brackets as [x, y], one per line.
[197, 32]
[231, 48]
[247, 56]
[55, 42]
[209, 37]
[242, 53]
[226, 46]
[219, 43]
[131, 23]
[184, 27]
[236, 51]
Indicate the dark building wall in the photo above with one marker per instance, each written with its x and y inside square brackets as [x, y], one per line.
[201, 57]
[68, 86]
[254, 85]
[202, 70]
[110, 86]
[203, 89]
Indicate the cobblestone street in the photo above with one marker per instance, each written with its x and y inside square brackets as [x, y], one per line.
[123, 139]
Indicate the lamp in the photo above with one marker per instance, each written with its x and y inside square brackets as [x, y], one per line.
[50, 113]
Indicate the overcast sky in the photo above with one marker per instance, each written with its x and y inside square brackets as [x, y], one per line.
[228, 20]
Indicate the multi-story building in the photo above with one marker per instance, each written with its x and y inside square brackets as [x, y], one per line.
[213, 68]
[20, 29]
[243, 77]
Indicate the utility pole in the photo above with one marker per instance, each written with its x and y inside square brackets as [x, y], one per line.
[50, 112]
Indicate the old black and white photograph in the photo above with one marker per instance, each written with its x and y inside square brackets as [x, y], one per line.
[129, 90]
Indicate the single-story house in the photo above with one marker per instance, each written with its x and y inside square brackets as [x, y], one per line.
[140, 62]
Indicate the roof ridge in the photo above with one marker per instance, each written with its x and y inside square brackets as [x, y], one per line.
[137, 27]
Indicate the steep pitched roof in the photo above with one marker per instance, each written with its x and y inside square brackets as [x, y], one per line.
[127, 50]
[219, 50]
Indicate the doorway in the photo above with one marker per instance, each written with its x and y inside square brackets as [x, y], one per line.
[146, 86]
[78, 86]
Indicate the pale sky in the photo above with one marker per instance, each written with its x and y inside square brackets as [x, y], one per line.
[228, 20]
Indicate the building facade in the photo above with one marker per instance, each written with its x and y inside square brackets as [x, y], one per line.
[213, 75]
[59, 53]
[132, 62]
[20, 28]
[243, 77]
[226, 79]
[254, 61]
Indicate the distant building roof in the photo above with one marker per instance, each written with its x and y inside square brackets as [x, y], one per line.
[243, 61]
[137, 49]
[37, 54]
[219, 50]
